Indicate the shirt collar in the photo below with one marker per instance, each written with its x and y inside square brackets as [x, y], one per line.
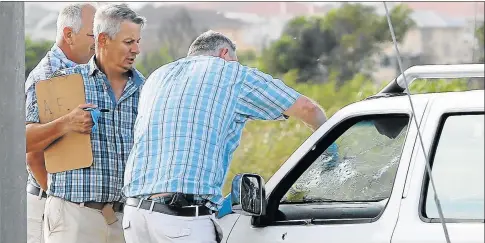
[132, 73]
[57, 52]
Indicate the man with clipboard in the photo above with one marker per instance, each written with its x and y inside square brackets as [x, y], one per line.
[85, 204]
[74, 44]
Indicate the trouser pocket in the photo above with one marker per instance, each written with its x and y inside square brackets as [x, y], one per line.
[53, 214]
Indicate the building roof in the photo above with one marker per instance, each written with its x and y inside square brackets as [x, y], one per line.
[431, 19]
[200, 18]
[451, 9]
[265, 9]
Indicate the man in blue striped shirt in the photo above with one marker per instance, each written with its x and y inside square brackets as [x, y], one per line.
[190, 120]
[74, 44]
[81, 203]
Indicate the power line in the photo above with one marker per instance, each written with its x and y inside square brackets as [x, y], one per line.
[428, 167]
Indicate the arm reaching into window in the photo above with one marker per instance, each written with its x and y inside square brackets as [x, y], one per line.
[266, 98]
[307, 111]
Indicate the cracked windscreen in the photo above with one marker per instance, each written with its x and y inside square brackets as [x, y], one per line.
[359, 166]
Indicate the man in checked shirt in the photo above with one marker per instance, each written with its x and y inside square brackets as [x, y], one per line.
[191, 116]
[85, 205]
[74, 45]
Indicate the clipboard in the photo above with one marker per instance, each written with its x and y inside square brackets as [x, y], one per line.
[57, 97]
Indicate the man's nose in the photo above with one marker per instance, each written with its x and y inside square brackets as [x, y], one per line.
[135, 48]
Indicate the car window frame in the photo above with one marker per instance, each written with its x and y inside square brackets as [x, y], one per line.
[307, 160]
[425, 182]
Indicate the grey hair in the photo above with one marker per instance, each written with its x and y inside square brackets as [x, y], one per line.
[70, 16]
[108, 19]
[210, 43]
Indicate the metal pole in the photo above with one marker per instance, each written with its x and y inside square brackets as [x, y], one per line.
[13, 176]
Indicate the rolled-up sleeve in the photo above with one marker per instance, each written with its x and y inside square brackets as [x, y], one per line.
[263, 97]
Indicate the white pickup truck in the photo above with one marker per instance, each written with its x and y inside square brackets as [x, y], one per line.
[378, 191]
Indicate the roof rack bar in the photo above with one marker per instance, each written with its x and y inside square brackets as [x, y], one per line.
[434, 71]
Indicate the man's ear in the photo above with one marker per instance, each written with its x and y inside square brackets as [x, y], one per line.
[223, 52]
[103, 40]
[68, 35]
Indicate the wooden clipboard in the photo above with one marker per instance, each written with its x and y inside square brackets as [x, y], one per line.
[57, 97]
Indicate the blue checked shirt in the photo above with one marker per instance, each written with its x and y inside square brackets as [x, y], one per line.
[191, 116]
[111, 141]
[54, 60]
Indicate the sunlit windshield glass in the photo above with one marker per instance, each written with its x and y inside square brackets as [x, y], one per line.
[360, 166]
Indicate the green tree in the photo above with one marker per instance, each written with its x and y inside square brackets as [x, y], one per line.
[247, 57]
[360, 31]
[304, 46]
[34, 52]
[176, 32]
[153, 60]
[343, 41]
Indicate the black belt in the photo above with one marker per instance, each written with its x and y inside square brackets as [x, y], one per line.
[117, 206]
[150, 205]
[35, 191]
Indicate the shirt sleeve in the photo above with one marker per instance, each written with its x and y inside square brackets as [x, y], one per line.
[31, 107]
[263, 97]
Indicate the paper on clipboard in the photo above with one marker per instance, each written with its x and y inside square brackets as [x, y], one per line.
[57, 97]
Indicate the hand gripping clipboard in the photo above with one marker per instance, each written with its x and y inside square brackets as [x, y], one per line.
[57, 97]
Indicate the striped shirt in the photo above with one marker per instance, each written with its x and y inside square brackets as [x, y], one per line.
[191, 116]
[111, 141]
[54, 60]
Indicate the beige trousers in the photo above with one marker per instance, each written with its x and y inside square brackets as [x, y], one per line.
[143, 226]
[67, 222]
[35, 212]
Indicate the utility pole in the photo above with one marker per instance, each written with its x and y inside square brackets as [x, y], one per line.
[13, 176]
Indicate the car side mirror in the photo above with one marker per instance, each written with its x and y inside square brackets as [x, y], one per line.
[248, 196]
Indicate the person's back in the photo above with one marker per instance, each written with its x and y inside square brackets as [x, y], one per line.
[190, 119]
[196, 109]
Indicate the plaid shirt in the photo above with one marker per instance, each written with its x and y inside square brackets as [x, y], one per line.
[54, 60]
[191, 116]
[111, 141]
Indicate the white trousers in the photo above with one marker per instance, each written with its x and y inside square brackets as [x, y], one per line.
[144, 226]
[35, 213]
[67, 222]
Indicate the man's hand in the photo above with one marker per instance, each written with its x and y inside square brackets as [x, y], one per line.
[79, 120]
[40, 136]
